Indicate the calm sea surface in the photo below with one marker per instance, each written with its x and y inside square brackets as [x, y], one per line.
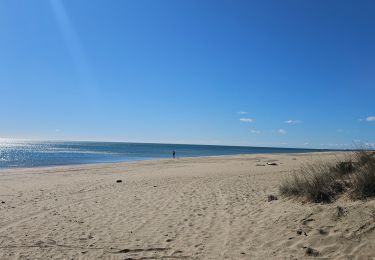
[19, 154]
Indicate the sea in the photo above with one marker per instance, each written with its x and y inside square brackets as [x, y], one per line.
[27, 154]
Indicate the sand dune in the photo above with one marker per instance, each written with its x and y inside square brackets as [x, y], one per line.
[193, 208]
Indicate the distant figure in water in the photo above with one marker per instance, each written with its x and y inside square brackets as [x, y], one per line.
[174, 154]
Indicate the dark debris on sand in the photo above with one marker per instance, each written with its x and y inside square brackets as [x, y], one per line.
[311, 251]
[271, 197]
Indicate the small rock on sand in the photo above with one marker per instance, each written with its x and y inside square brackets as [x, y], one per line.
[272, 163]
[271, 197]
[312, 252]
[118, 181]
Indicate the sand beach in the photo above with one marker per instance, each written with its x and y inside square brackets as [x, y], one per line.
[190, 208]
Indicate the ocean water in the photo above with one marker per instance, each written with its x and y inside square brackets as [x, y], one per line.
[20, 154]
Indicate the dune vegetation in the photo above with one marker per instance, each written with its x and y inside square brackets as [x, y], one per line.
[324, 182]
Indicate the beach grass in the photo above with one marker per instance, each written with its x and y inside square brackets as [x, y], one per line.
[324, 182]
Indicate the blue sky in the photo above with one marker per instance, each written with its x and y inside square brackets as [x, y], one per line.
[264, 73]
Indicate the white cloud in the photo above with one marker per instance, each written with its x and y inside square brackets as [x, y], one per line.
[246, 119]
[292, 121]
[370, 118]
[281, 131]
[242, 113]
[253, 131]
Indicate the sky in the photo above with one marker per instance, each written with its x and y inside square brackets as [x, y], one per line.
[258, 73]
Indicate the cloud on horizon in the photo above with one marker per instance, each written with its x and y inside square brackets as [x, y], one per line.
[242, 112]
[246, 120]
[281, 131]
[253, 131]
[293, 121]
[370, 118]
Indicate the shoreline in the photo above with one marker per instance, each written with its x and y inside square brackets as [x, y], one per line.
[31, 154]
[82, 165]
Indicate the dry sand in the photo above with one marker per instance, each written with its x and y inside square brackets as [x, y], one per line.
[193, 208]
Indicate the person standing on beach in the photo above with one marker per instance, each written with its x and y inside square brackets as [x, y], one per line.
[174, 154]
